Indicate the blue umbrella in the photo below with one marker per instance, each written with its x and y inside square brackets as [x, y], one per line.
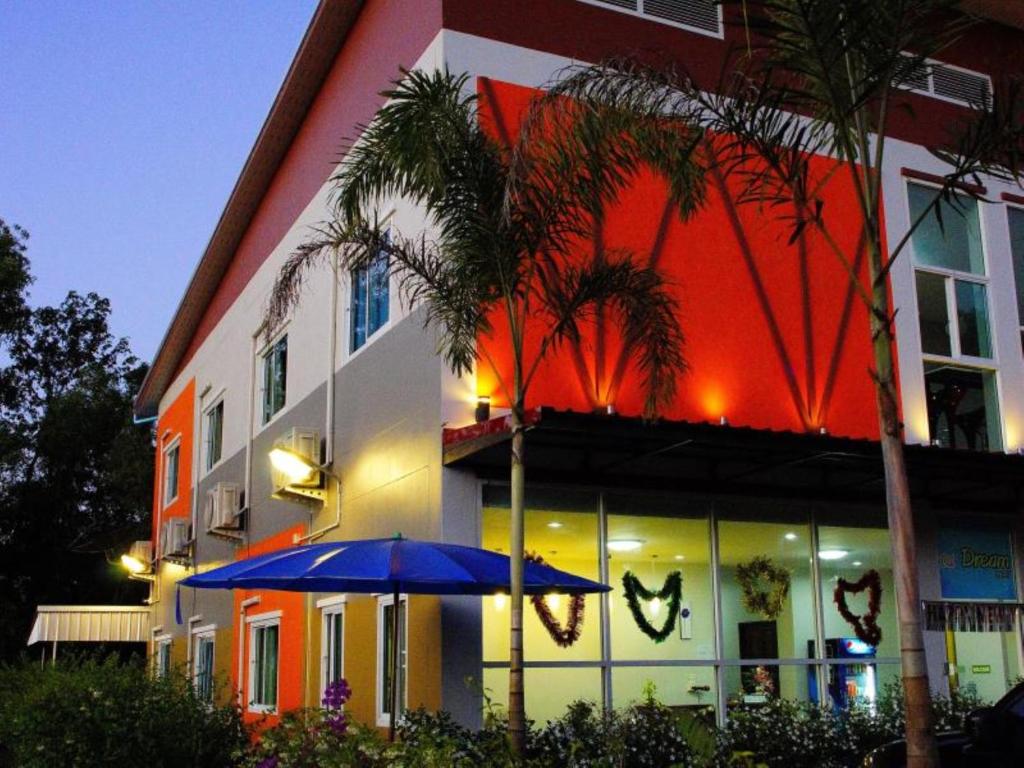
[394, 565]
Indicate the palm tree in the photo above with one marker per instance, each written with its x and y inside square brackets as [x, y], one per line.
[823, 77]
[502, 250]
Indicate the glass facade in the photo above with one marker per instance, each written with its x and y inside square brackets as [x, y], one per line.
[737, 639]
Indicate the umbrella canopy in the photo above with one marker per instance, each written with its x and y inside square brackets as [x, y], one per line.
[388, 565]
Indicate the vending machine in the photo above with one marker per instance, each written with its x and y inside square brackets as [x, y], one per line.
[851, 682]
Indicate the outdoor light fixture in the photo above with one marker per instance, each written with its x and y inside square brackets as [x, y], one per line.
[624, 545]
[133, 565]
[296, 468]
[483, 408]
[723, 421]
[137, 561]
[823, 431]
[790, 536]
[832, 554]
[610, 409]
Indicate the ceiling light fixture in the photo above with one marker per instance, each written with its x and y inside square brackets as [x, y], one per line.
[554, 524]
[790, 536]
[832, 554]
[625, 545]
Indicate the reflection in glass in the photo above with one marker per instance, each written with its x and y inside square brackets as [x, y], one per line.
[962, 407]
[952, 243]
[933, 314]
[972, 319]
[549, 692]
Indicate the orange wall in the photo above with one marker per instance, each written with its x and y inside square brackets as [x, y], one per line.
[774, 337]
[177, 421]
[291, 650]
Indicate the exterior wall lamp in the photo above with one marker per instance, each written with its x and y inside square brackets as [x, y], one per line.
[483, 408]
[296, 468]
[138, 561]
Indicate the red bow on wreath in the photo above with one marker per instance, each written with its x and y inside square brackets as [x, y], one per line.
[564, 636]
[865, 627]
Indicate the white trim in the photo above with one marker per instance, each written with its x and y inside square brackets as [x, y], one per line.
[262, 356]
[639, 14]
[258, 622]
[382, 717]
[267, 618]
[204, 434]
[206, 629]
[173, 444]
[330, 607]
[205, 632]
[328, 602]
[387, 223]
[251, 601]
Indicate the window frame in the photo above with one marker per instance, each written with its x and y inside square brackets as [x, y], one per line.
[639, 14]
[172, 447]
[1018, 208]
[199, 636]
[331, 609]
[208, 411]
[265, 355]
[257, 623]
[162, 643]
[383, 716]
[370, 336]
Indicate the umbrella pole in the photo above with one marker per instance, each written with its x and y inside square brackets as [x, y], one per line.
[395, 664]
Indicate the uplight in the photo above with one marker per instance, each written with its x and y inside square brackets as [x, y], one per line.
[624, 545]
[133, 564]
[296, 468]
[832, 554]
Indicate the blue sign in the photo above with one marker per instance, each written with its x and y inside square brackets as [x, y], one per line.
[976, 564]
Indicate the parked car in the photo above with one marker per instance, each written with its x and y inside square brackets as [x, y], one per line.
[994, 738]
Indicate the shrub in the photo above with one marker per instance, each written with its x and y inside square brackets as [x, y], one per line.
[90, 712]
[785, 734]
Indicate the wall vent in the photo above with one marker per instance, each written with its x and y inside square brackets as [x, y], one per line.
[949, 83]
[697, 15]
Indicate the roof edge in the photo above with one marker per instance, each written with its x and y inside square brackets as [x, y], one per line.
[321, 43]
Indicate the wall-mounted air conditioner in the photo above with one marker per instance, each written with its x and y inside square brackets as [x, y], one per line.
[142, 551]
[222, 508]
[295, 465]
[175, 537]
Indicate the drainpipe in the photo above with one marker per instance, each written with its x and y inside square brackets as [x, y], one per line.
[249, 438]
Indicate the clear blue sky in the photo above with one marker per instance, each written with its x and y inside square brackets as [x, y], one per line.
[123, 126]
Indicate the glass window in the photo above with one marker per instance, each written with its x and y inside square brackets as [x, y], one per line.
[1016, 220]
[202, 673]
[549, 691]
[972, 319]
[171, 472]
[385, 657]
[263, 657]
[986, 662]
[954, 242]
[933, 314]
[214, 434]
[275, 378]
[370, 300]
[749, 549]
[332, 645]
[562, 527]
[962, 407]
[163, 657]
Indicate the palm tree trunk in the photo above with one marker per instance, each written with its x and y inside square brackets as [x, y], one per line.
[921, 748]
[516, 705]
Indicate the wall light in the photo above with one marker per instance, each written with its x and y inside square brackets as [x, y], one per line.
[832, 554]
[296, 468]
[483, 408]
[553, 600]
[625, 545]
[133, 565]
[655, 606]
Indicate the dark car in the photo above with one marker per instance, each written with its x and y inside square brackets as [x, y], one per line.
[994, 739]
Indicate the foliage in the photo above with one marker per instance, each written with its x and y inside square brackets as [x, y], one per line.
[75, 471]
[14, 277]
[91, 712]
[764, 585]
[671, 590]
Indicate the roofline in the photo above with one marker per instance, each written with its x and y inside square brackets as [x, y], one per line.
[1008, 12]
[320, 45]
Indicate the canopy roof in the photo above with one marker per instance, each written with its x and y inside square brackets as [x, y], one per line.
[90, 624]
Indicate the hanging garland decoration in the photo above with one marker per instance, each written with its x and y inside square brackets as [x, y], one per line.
[570, 633]
[865, 627]
[672, 591]
[765, 586]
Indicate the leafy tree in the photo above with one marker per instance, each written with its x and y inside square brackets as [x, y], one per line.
[824, 77]
[75, 469]
[501, 252]
[14, 277]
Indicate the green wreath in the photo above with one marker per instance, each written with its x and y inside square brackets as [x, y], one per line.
[753, 577]
[672, 591]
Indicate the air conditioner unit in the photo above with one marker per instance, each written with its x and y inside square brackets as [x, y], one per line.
[175, 538]
[222, 508]
[298, 474]
[142, 551]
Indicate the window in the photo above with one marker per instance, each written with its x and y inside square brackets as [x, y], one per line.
[202, 662]
[332, 641]
[702, 16]
[172, 459]
[275, 378]
[962, 407]
[385, 657]
[370, 300]
[214, 434]
[264, 633]
[162, 655]
[1016, 220]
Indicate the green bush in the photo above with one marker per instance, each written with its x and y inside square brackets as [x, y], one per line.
[91, 712]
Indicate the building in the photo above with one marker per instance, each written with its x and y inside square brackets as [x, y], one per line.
[770, 449]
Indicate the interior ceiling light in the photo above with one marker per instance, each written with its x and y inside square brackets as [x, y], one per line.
[554, 524]
[832, 554]
[625, 545]
[790, 536]
[680, 557]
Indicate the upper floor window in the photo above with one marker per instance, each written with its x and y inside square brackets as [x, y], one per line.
[214, 434]
[704, 16]
[264, 634]
[275, 378]
[1016, 220]
[202, 663]
[369, 308]
[172, 462]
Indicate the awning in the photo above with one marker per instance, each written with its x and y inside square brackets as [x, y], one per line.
[566, 447]
[90, 624]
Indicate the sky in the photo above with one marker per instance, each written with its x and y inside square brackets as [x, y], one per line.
[123, 127]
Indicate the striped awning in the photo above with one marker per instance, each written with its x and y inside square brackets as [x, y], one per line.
[90, 624]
